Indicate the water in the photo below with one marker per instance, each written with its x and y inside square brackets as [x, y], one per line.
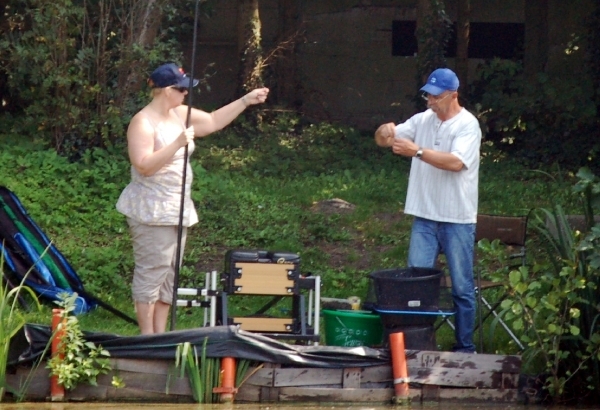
[270, 406]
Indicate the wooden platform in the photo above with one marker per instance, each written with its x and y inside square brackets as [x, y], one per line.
[435, 376]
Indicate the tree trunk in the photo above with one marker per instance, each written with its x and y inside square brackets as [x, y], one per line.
[139, 28]
[433, 32]
[463, 20]
[287, 81]
[249, 45]
[536, 37]
[423, 11]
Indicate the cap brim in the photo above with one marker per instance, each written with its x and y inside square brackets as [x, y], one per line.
[185, 82]
[432, 89]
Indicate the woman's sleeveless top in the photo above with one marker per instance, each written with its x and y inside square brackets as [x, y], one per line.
[156, 199]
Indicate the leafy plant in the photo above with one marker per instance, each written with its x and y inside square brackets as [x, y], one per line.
[554, 304]
[11, 318]
[203, 373]
[77, 361]
[432, 38]
[68, 68]
[541, 120]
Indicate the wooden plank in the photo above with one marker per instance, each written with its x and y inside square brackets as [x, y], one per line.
[143, 365]
[307, 395]
[165, 384]
[41, 371]
[464, 370]
[264, 324]
[264, 279]
[38, 383]
[262, 377]
[248, 393]
[87, 392]
[269, 394]
[377, 374]
[487, 362]
[472, 377]
[430, 392]
[290, 377]
[351, 378]
[462, 378]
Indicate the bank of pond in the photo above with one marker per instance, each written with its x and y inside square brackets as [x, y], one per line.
[148, 368]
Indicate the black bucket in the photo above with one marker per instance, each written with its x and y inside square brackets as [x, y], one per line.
[415, 337]
[404, 289]
[406, 319]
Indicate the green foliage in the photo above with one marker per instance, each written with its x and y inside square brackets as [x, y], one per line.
[432, 39]
[67, 67]
[11, 320]
[546, 120]
[553, 305]
[276, 147]
[75, 201]
[247, 198]
[203, 373]
[76, 361]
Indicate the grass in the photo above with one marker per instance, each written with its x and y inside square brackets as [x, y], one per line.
[255, 188]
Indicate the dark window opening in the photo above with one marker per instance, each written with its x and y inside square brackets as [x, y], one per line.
[404, 41]
[486, 40]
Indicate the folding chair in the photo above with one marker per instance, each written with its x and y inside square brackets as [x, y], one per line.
[511, 231]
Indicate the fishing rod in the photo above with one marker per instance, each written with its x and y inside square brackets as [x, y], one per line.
[183, 181]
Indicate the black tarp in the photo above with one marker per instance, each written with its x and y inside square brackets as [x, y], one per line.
[32, 341]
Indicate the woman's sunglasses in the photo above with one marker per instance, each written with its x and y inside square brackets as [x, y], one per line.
[180, 89]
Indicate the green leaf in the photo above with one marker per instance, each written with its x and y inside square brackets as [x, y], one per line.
[575, 313]
[531, 301]
[514, 278]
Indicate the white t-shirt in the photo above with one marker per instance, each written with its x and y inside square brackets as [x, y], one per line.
[433, 193]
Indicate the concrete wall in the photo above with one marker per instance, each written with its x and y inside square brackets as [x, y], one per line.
[345, 65]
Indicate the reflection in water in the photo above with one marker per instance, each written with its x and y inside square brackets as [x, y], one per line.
[268, 406]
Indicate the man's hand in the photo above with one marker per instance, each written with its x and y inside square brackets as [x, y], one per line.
[384, 136]
[404, 147]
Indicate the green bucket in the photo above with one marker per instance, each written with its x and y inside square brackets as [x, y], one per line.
[352, 328]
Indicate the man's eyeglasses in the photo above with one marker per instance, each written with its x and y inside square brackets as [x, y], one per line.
[180, 89]
[436, 99]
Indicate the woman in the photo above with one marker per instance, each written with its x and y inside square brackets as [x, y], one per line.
[156, 140]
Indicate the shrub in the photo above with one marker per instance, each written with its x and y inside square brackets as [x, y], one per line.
[547, 120]
[554, 303]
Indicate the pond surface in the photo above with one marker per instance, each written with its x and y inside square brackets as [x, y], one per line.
[266, 406]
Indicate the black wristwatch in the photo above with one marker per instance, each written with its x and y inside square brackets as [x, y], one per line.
[419, 153]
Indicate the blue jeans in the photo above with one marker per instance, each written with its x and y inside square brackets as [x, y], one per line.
[457, 241]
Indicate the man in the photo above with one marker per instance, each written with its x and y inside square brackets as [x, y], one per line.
[443, 142]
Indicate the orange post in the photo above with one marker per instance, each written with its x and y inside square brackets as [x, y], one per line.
[227, 389]
[57, 391]
[399, 368]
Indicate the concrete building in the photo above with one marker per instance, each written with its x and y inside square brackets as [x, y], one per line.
[354, 59]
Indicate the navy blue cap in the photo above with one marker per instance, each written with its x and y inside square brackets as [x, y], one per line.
[168, 75]
[440, 80]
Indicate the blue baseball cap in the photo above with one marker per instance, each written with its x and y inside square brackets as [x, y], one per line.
[168, 75]
[440, 80]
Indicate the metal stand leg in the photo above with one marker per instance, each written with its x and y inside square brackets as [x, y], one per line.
[512, 335]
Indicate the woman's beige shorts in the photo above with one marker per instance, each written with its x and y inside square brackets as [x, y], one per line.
[154, 251]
